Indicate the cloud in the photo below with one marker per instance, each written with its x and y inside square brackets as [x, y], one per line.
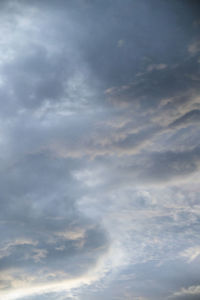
[191, 253]
[156, 67]
[188, 292]
[99, 159]
[194, 48]
[190, 117]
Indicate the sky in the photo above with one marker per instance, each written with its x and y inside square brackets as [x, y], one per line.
[100, 153]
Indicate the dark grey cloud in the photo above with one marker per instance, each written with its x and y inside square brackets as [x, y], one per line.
[155, 168]
[150, 88]
[190, 117]
[42, 230]
[142, 37]
[100, 153]
[168, 165]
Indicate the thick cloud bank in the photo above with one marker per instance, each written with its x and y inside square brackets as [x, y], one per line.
[100, 153]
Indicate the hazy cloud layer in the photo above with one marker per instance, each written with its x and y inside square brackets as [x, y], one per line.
[100, 153]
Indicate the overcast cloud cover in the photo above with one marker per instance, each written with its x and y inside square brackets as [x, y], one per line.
[100, 152]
